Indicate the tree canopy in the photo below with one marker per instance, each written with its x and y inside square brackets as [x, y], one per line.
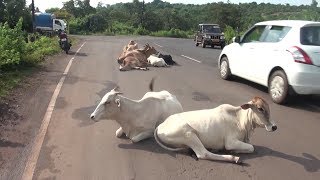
[159, 15]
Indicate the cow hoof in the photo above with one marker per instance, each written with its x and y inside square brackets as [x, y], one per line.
[193, 154]
[237, 160]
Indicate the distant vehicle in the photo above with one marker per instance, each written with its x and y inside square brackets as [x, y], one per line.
[209, 34]
[282, 55]
[45, 22]
[64, 42]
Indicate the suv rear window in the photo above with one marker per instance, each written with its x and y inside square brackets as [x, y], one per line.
[211, 29]
[310, 35]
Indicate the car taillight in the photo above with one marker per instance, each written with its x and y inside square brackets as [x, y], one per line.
[299, 55]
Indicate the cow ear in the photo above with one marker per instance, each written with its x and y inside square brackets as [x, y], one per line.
[117, 101]
[246, 106]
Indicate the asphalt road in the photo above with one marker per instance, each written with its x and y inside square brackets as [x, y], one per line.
[76, 148]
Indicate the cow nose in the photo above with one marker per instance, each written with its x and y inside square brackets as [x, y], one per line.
[274, 128]
[92, 117]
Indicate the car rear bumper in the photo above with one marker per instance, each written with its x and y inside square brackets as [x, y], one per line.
[306, 81]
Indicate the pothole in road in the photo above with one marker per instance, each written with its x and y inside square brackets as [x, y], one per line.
[198, 96]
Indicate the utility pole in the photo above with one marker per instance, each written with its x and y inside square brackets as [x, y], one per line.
[33, 19]
[142, 14]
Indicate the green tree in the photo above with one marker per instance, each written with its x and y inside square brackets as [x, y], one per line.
[69, 6]
[314, 3]
[13, 10]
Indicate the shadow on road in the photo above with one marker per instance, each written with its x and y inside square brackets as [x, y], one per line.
[78, 54]
[147, 145]
[304, 102]
[308, 161]
[5, 143]
[83, 115]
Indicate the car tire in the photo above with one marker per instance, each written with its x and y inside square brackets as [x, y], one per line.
[225, 71]
[278, 87]
[203, 44]
[212, 46]
[197, 43]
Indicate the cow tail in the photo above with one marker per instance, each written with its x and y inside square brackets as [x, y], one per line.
[155, 134]
[151, 83]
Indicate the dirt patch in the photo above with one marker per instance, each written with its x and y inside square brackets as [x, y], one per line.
[9, 115]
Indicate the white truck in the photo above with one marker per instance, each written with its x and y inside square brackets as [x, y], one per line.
[47, 22]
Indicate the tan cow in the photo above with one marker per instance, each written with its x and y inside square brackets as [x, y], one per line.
[132, 45]
[136, 59]
[224, 127]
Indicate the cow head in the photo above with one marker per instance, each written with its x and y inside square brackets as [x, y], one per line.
[149, 50]
[108, 106]
[261, 113]
[131, 42]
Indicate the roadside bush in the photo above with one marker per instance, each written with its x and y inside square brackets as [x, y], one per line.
[229, 33]
[175, 33]
[37, 50]
[122, 29]
[77, 26]
[141, 31]
[12, 44]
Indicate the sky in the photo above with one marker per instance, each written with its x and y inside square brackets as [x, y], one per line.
[46, 4]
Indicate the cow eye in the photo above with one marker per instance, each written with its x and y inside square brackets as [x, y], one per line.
[260, 109]
[107, 102]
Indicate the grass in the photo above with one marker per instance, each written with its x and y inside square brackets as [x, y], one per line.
[10, 79]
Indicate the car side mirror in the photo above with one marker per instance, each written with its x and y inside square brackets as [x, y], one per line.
[236, 39]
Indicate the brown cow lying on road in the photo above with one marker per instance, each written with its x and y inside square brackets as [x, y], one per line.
[136, 59]
[131, 46]
[224, 127]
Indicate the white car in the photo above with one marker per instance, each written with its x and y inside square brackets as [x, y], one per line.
[283, 55]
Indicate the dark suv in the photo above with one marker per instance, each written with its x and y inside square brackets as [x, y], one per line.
[209, 34]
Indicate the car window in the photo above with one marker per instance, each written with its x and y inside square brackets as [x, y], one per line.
[310, 35]
[57, 22]
[254, 35]
[211, 29]
[275, 33]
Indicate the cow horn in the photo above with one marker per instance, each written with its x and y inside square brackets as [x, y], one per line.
[117, 88]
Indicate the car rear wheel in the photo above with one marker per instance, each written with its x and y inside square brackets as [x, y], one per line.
[225, 71]
[279, 87]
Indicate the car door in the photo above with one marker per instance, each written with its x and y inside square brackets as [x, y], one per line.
[247, 52]
[268, 53]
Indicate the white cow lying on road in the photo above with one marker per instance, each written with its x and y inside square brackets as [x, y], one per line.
[156, 61]
[138, 119]
[224, 127]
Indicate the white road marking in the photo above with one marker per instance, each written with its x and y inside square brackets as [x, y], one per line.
[191, 59]
[38, 141]
[158, 45]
